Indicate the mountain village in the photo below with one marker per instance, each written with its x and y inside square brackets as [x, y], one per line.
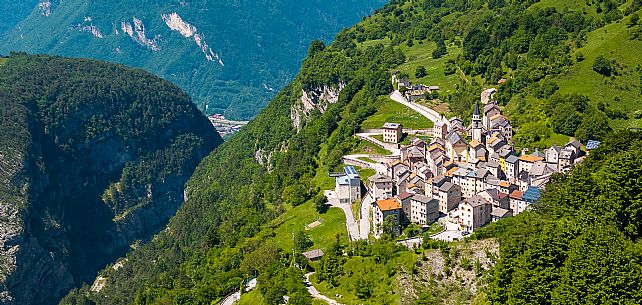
[462, 177]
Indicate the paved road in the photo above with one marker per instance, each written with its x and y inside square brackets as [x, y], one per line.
[351, 224]
[315, 293]
[235, 297]
[423, 110]
[450, 234]
[364, 223]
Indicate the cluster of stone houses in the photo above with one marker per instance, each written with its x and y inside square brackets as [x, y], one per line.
[472, 182]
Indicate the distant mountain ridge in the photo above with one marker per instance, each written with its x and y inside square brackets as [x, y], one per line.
[230, 56]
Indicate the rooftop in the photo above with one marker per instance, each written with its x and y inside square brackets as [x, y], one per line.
[422, 198]
[512, 159]
[574, 143]
[532, 194]
[389, 204]
[405, 196]
[446, 187]
[313, 254]
[351, 172]
[592, 144]
[499, 212]
[516, 195]
[379, 178]
[391, 126]
[530, 158]
[476, 201]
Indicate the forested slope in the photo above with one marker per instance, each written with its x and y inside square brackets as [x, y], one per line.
[94, 159]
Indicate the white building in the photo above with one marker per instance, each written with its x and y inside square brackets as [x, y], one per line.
[474, 212]
[424, 210]
[380, 186]
[392, 132]
[348, 186]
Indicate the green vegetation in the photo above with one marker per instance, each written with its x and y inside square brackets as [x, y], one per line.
[365, 173]
[540, 48]
[332, 224]
[393, 112]
[584, 236]
[84, 143]
[366, 275]
[226, 231]
[365, 147]
[434, 229]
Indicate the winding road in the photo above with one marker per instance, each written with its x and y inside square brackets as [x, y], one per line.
[423, 110]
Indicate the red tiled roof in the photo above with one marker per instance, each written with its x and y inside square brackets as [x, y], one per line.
[389, 204]
[516, 195]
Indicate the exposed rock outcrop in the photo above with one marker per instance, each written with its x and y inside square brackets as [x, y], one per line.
[176, 23]
[318, 98]
[138, 34]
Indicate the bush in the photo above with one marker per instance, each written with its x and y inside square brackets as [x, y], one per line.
[321, 203]
[420, 72]
[603, 66]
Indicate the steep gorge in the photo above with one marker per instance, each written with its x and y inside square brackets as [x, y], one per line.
[93, 161]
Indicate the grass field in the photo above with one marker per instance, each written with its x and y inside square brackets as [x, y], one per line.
[365, 173]
[421, 55]
[566, 4]
[621, 91]
[366, 159]
[393, 112]
[332, 223]
[253, 297]
[366, 147]
[555, 139]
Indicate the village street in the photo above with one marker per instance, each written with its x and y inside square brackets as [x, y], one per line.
[451, 232]
[358, 161]
[364, 223]
[392, 148]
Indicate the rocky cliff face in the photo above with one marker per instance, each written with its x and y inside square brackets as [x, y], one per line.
[318, 98]
[97, 163]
